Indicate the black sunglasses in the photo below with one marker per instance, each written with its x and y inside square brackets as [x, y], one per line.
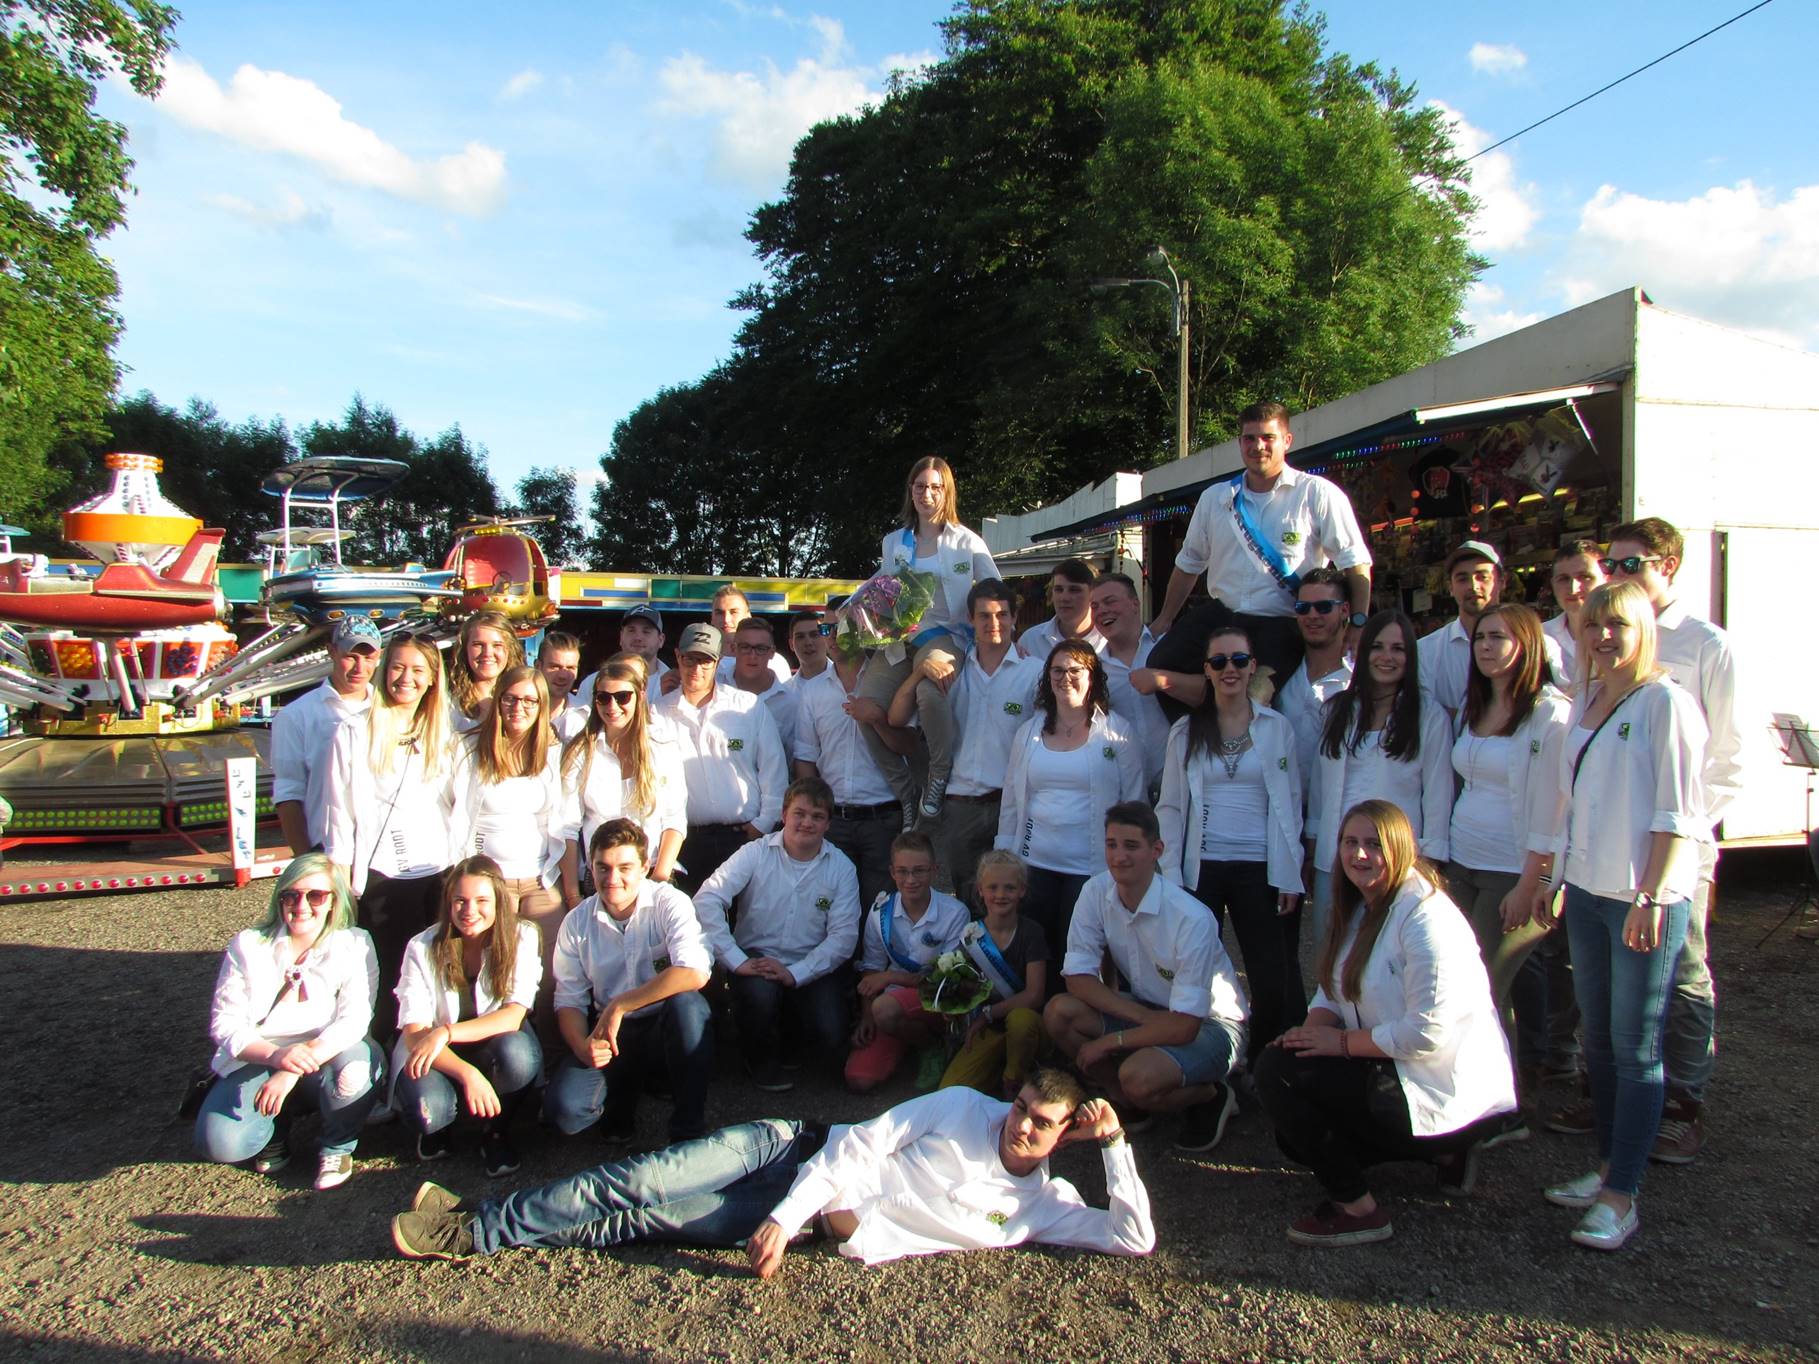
[1218, 661]
[1629, 563]
[1323, 608]
[618, 698]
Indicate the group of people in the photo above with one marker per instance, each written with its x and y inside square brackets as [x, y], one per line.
[509, 877]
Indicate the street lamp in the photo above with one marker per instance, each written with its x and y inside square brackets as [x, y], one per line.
[1178, 291]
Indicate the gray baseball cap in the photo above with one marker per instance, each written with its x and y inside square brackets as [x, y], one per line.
[353, 631]
[699, 639]
[1474, 549]
[648, 613]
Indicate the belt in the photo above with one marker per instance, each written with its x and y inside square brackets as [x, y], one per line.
[893, 808]
[988, 798]
[739, 827]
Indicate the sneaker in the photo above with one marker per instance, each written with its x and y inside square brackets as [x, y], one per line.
[1575, 1193]
[1505, 1130]
[434, 1198]
[932, 796]
[498, 1155]
[1459, 1170]
[911, 812]
[334, 1171]
[432, 1145]
[1604, 1228]
[931, 1065]
[1575, 1120]
[1682, 1133]
[1202, 1125]
[768, 1076]
[1331, 1225]
[275, 1156]
[434, 1235]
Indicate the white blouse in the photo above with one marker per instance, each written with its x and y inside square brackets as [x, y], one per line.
[606, 793]
[338, 979]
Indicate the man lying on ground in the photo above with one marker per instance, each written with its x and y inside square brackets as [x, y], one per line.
[952, 1170]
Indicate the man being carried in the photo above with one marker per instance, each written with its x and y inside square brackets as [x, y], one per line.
[953, 1170]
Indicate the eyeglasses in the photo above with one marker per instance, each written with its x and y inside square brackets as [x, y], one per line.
[1218, 661]
[1321, 608]
[1068, 674]
[290, 899]
[753, 650]
[615, 698]
[512, 701]
[1629, 563]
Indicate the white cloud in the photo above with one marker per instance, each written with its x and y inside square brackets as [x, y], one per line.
[1734, 254]
[291, 210]
[273, 111]
[1497, 59]
[1506, 207]
[521, 84]
[833, 37]
[561, 310]
[1486, 314]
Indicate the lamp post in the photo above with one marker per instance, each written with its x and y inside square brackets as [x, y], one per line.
[1178, 290]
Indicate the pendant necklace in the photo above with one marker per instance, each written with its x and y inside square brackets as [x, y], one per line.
[1231, 753]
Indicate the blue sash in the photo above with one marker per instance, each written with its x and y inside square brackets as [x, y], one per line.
[885, 917]
[1253, 536]
[1006, 980]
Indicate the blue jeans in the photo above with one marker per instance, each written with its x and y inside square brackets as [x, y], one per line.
[230, 1129]
[511, 1062]
[818, 1010]
[680, 1029]
[713, 1191]
[1623, 998]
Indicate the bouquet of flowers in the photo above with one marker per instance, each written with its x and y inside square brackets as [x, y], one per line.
[954, 986]
[884, 612]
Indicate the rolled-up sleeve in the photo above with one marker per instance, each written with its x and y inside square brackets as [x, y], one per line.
[1679, 754]
[1196, 550]
[1195, 961]
[1340, 535]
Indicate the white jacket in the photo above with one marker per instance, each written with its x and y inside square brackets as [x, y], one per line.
[1426, 1000]
[1433, 821]
[467, 786]
[1182, 809]
[1533, 774]
[964, 561]
[1118, 778]
[334, 1006]
[362, 806]
[587, 805]
[425, 1000]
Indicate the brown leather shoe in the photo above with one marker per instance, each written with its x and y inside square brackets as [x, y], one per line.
[1682, 1133]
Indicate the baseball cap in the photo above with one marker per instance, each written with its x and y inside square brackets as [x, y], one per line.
[1474, 549]
[699, 639]
[353, 631]
[646, 613]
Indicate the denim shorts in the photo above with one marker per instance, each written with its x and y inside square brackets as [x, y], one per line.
[1208, 1059]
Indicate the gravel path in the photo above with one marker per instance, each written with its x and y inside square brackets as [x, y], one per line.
[115, 1245]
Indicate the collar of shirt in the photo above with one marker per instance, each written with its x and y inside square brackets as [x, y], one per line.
[1288, 478]
[775, 840]
[1151, 903]
[1671, 617]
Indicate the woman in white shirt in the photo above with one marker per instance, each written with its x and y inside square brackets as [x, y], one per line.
[464, 995]
[931, 540]
[293, 1002]
[623, 764]
[1630, 812]
[1068, 765]
[1383, 739]
[1402, 1056]
[1231, 827]
[484, 649]
[1507, 757]
[388, 807]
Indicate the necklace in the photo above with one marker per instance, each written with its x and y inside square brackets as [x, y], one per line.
[1231, 753]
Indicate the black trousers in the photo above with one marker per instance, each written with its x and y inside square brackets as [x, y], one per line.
[867, 844]
[1270, 943]
[1049, 898]
[394, 910]
[1276, 641]
[704, 848]
[1340, 1115]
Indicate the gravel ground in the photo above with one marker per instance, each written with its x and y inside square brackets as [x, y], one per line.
[114, 1244]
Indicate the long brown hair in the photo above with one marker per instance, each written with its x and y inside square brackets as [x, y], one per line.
[501, 945]
[498, 756]
[1350, 709]
[1401, 858]
[463, 686]
[1098, 691]
[633, 747]
[1529, 676]
[949, 515]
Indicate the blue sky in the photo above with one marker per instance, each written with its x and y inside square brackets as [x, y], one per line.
[526, 218]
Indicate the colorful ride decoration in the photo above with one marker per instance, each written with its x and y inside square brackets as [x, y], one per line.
[498, 567]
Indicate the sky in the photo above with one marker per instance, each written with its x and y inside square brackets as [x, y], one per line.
[526, 219]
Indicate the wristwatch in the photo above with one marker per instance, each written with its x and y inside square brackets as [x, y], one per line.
[1357, 619]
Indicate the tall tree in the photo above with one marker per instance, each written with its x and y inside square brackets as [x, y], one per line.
[551, 492]
[63, 185]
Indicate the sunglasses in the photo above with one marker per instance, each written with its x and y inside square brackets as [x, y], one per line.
[616, 698]
[1319, 608]
[1218, 661]
[290, 899]
[1629, 563]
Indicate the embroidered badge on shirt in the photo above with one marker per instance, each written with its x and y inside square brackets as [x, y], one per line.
[1282, 764]
[1623, 730]
[1013, 707]
[823, 904]
[997, 1219]
[962, 568]
[1291, 537]
[1111, 754]
[1534, 747]
[734, 745]
[1165, 973]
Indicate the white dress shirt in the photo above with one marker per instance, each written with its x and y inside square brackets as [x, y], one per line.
[596, 789]
[925, 1176]
[334, 1006]
[1560, 630]
[1037, 641]
[570, 716]
[830, 739]
[989, 709]
[803, 914]
[1142, 715]
[1697, 654]
[303, 737]
[781, 700]
[1303, 701]
[1308, 520]
[732, 757]
[1168, 948]
[599, 958]
[937, 931]
[516, 822]
[1421, 787]
[1426, 1001]
[425, 999]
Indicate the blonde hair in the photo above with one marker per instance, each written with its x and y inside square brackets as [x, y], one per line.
[392, 727]
[1001, 859]
[633, 748]
[501, 946]
[497, 755]
[1626, 604]
[1401, 858]
[949, 515]
[462, 684]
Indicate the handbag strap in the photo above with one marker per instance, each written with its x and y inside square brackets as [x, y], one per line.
[1579, 758]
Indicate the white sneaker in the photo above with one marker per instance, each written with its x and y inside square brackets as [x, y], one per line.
[1604, 1228]
[334, 1171]
[1575, 1193]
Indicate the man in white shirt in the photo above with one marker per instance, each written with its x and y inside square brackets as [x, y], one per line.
[303, 732]
[952, 1170]
[732, 758]
[992, 693]
[754, 646]
[1474, 578]
[559, 660]
[630, 963]
[1578, 568]
[1168, 1044]
[641, 633]
[790, 948]
[808, 636]
[730, 607]
[1325, 670]
[1698, 655]
[1253, 536]
[1118, 617]
[1070, 587]
[866, 813]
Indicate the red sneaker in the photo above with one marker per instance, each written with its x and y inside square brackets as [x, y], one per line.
[1331, 1225]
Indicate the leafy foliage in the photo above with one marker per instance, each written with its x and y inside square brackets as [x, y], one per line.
[551, 492]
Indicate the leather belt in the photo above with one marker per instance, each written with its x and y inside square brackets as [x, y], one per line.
[988, 798]
[892, 808]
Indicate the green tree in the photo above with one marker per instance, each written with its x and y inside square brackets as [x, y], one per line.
[551, 492]
[63, 185]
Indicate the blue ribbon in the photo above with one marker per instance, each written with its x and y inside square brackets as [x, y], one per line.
[885, 916]
[1253, 536]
